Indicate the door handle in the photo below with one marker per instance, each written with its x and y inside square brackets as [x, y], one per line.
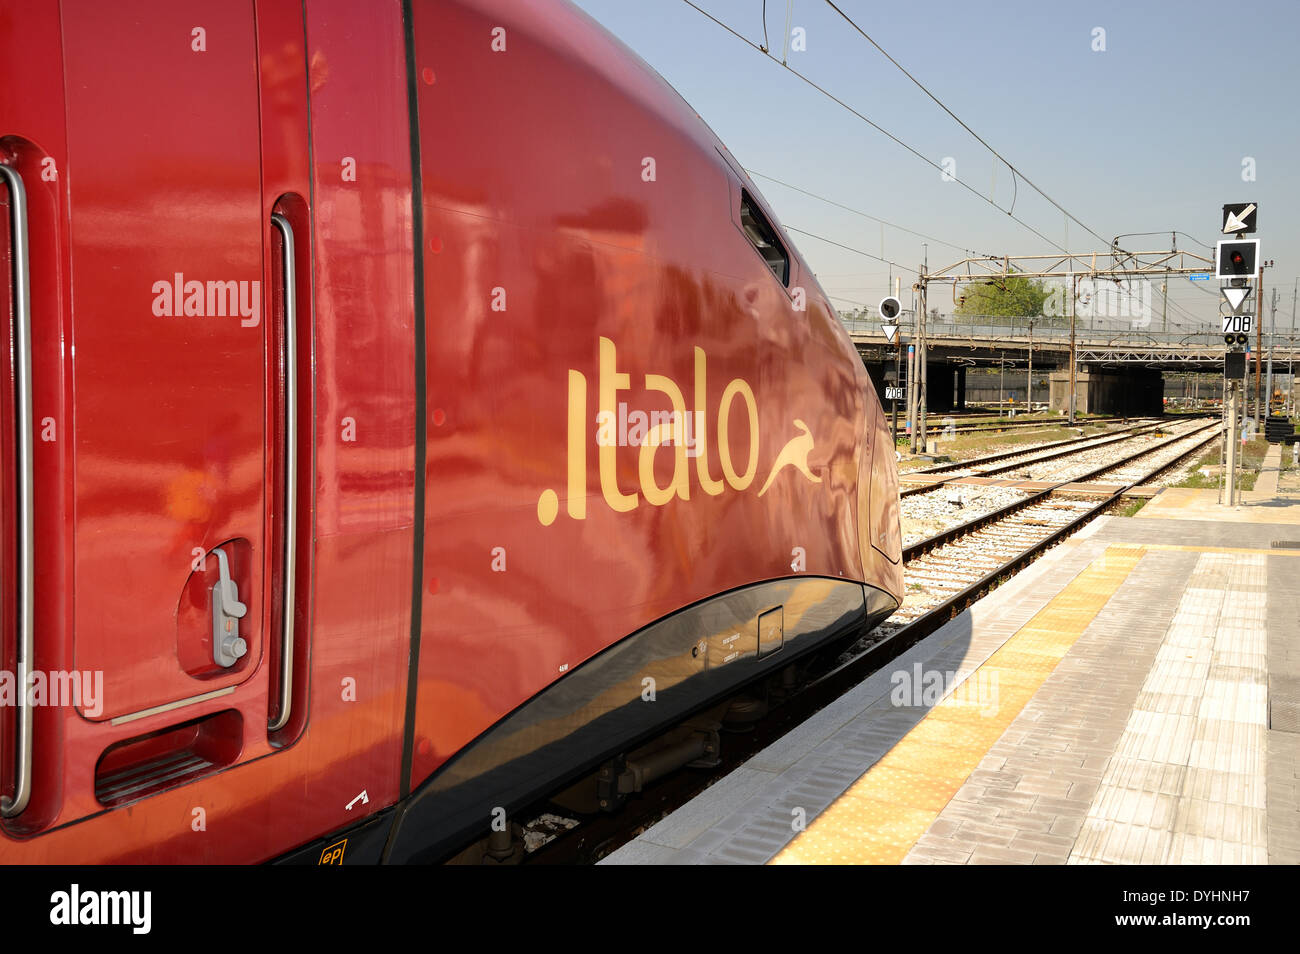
[290, 468]
[228, 647]
[9, 807]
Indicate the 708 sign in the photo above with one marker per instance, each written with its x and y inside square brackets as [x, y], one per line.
[1237, 324]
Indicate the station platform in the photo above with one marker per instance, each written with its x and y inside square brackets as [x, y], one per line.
[1131, 697]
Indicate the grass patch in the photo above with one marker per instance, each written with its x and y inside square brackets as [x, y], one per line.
[1252, 457]
[1129, 507]
[1199, 481]
[964, 446]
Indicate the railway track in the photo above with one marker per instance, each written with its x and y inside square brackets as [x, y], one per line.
[1091, 464]
[944, 574]
[1146, 463]
[992, 427]
[993, 464]
[1021, 463]
[936, 572]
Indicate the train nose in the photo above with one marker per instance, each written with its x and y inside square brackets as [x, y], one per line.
[880, 539]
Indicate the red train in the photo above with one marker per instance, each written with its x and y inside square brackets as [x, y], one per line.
[409, 409]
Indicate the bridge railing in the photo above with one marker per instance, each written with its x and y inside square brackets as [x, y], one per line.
[1093, 330]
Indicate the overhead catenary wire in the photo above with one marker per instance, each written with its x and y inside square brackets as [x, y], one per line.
[1174, 232]
[849, 248]
[980, 139]
[1016, 173]
[882, 130]
[865, 215]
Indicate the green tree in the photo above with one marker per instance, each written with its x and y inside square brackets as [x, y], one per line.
[1018, 297]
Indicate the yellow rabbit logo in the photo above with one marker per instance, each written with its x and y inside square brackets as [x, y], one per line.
[795, 454]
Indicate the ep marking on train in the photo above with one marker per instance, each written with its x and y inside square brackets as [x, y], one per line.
[333, 855]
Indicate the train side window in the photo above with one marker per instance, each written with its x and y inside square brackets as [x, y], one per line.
[763, 237]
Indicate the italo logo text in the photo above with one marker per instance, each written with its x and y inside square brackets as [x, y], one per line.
[214, 299]
[76, 906]
[698, 434]
[82, 690]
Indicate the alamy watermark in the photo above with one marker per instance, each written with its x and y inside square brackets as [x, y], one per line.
[1132, 300]
[83, 690]
[632, 429]
[926, 688]
[182, 298]
[78, 906]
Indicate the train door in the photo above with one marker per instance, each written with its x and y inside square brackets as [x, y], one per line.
[168, 379]
[165, 578]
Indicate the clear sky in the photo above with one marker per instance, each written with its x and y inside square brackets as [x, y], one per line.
[1148, 135]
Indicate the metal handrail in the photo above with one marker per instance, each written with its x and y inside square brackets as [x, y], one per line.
[290, 467]
[9, 807]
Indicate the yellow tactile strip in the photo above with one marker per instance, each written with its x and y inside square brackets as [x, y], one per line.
[881, 816]
[1191, 549]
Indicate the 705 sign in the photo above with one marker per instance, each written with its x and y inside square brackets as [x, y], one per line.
[1237, 324]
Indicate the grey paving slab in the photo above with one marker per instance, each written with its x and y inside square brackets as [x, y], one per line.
[1282, 748]
[1056, 750]
[1194, 533]
[640, 852]
[700, 814]
[1179, 786]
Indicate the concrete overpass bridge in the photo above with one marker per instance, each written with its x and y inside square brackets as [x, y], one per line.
[1120, 362]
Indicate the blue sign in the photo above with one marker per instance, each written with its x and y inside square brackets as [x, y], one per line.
[1199, 278]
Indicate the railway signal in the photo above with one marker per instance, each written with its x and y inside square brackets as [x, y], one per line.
[890, 308]
[1235, 259]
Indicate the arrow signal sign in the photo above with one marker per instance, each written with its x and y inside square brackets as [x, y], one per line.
[1235, 297]
[1239, 219]
[891, 332]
